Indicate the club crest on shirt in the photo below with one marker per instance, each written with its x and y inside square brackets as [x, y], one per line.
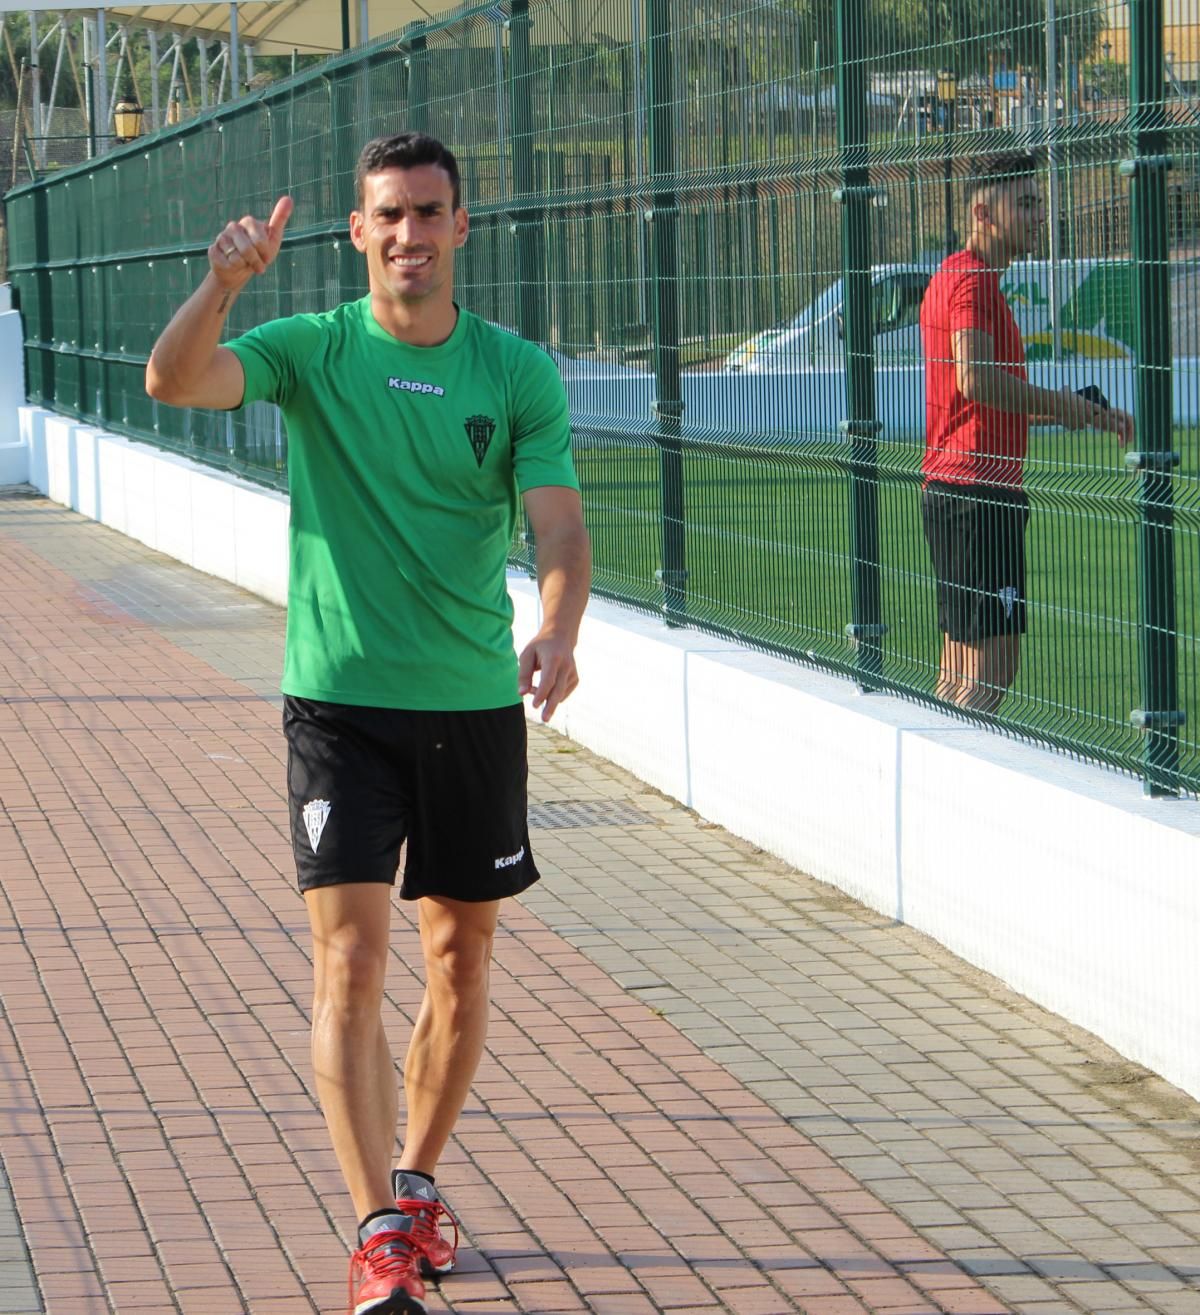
[480, 430]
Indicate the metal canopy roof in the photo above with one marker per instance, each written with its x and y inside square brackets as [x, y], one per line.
[277, 27]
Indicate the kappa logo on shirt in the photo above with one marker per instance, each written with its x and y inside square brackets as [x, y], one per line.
[415, 386]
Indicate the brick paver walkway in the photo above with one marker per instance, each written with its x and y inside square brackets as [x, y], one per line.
[712, 1084]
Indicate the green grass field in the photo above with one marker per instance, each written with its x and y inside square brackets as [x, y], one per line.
[769, 555]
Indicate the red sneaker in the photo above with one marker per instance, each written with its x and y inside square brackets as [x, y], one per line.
[383, 1271]
[420, 1201]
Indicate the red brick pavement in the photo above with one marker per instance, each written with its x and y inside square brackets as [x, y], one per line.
[156, 1120]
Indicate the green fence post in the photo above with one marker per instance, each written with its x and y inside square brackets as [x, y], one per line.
[45, 297]
[588, 325]
[663, 220]
[528, 216]
[280, 168]
[527, 213]
[1160, 716]
[776, 283]
[349, 268]
[416, 61]
[558, 238]
[866, 628]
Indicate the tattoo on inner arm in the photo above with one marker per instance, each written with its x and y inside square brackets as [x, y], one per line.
[224, 303]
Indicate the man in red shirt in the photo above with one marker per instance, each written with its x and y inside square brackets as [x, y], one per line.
[978, 405]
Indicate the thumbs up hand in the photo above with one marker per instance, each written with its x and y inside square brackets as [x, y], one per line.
[248, 246]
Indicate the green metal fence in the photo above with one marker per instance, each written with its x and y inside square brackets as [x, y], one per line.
[721, 219]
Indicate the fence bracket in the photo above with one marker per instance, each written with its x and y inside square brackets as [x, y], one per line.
[1142, 164]
[856, 631]
[1144, 720]
[666, 410]
[861, 428]
[1160, 461]
[672, 579]
[844, 195]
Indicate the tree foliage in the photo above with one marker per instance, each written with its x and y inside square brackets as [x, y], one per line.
[969, 36]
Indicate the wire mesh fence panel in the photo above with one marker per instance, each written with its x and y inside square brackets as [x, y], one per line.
[723, 222]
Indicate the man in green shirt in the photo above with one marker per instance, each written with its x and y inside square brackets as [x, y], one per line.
[412, 428]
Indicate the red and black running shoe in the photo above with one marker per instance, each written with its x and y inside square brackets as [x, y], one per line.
[384, 1277]
[419, 1200]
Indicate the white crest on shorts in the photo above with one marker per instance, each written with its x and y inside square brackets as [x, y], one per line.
[316, 814]
[1008, 596]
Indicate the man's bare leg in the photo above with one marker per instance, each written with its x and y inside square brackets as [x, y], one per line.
[355, 1073]
[950, 672]
[976, 677]
[447, 1042]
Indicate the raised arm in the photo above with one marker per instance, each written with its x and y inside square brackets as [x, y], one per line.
[981, 380]
[564, 570]
[188, 367]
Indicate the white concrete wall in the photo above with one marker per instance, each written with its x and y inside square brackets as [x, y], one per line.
[1058, 877]
[215, 522]
[14, 456]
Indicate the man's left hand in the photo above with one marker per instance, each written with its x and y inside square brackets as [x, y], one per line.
[554, 658]
[1121, 424]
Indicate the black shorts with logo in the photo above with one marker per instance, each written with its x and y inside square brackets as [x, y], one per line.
[361, 781]
[976, 537]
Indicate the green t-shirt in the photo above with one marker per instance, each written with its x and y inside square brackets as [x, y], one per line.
[404, 465]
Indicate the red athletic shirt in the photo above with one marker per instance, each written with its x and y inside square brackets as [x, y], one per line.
[965, 442]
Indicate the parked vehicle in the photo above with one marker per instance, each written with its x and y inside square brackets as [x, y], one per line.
[1095, 321]
[813, 339]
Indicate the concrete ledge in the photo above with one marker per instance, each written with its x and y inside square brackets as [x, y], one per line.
[1058, 877]
[14, 464]
[14, 453]
[213, 521]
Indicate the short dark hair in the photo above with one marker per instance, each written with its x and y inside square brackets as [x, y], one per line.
[995, 170]
[405, 150]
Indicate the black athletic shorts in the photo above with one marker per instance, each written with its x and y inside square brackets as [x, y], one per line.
[976, 537]
[361, 781]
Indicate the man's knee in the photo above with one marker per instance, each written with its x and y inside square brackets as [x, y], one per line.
[457, 958]
[350, 972]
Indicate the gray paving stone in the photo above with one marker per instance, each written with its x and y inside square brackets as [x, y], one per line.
[19, 1293]
[1024, 1290]
[987, 1266]
[1102, 1297]
[1178, 1303]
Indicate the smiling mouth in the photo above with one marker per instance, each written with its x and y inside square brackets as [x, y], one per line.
[409, 262]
